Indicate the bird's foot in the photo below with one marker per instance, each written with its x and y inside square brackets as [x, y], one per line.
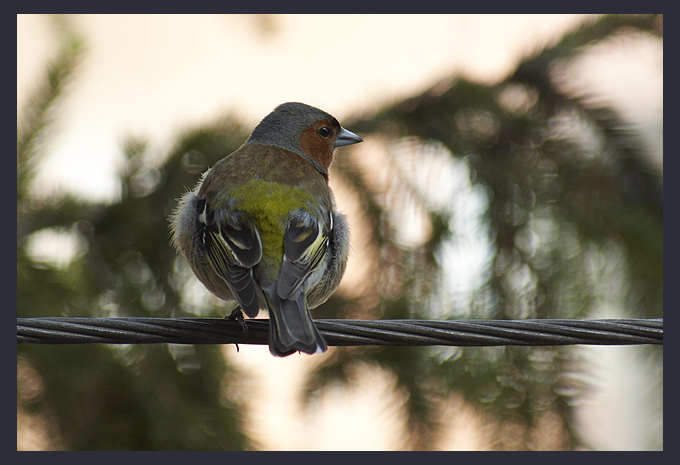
[237, 314]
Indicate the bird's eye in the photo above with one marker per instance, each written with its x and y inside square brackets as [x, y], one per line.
[324, 132]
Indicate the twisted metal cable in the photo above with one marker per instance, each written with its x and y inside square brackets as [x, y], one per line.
[338, 332]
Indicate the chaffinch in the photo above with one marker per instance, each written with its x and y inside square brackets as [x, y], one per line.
[261, 226]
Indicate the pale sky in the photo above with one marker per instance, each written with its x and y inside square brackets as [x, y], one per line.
[155, 75]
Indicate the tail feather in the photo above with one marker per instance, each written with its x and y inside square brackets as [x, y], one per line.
[292, 328]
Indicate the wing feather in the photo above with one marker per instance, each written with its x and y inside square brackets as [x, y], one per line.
[233, 247]
[305, 245]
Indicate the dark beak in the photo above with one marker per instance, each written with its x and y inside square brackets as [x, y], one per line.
[346, 137]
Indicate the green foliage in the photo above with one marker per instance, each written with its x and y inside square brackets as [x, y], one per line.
[556, 208]
[108, 397]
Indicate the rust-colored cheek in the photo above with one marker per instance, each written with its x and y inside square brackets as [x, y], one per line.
[316, 147]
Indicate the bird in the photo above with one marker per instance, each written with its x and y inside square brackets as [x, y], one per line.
[261, 226]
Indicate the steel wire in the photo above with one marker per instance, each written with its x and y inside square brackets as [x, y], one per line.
[339, 332]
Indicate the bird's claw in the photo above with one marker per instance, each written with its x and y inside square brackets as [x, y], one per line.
[237, 315]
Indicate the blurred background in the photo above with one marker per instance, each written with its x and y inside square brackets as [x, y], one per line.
[512, 168]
